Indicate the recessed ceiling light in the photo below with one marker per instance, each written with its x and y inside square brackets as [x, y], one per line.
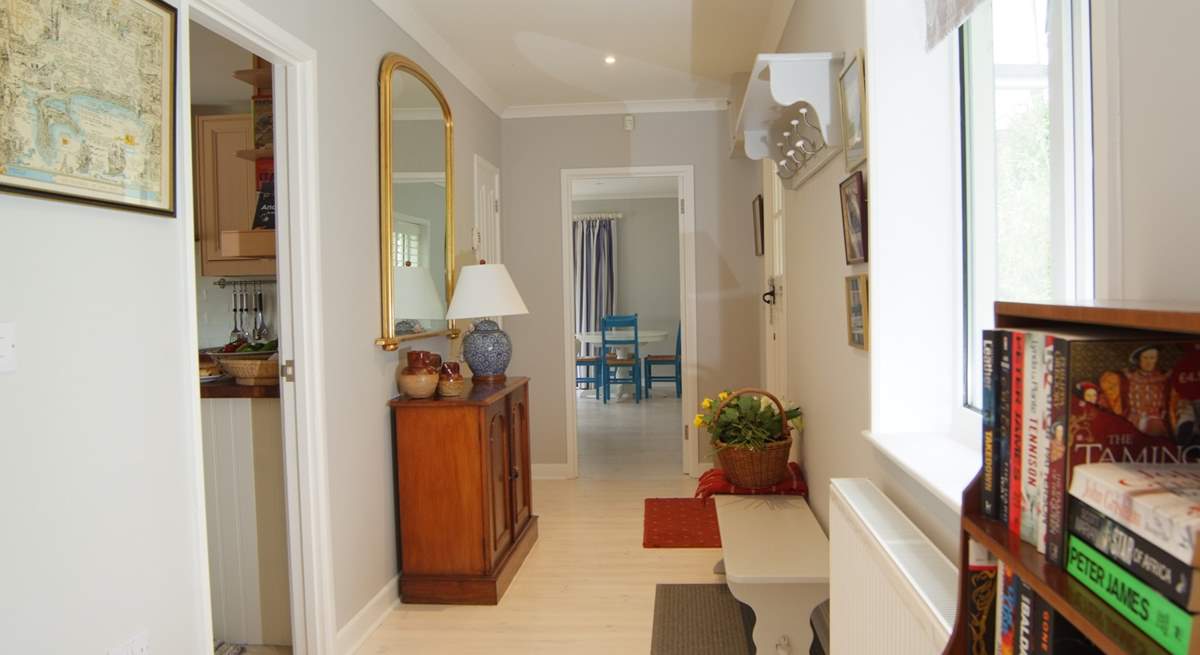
[610, 59]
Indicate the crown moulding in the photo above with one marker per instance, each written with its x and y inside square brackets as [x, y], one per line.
[780, 81]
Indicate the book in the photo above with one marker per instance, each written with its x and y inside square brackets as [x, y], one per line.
[1119, 399]
[981, 599]
[1167, 624]
[1045, 420]
[1016, 422]
[1159, 502]
[1007, 621]
[1002, 414]
[1032, 477]
[1024, 639]
[989, 494]
[1178, 581]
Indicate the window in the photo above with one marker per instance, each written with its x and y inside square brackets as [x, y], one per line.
[1027, 162]
[411, 242]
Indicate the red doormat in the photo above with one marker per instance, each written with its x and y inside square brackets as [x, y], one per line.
[680, 523]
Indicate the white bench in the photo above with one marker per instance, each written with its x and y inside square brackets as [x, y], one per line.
[777, 562]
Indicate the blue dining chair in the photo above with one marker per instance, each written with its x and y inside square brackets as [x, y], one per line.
[674, 361]
[591, 369]
[611, 364]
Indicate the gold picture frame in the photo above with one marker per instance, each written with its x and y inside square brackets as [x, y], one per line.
[852, 92]
[98, 131]
[858, 315]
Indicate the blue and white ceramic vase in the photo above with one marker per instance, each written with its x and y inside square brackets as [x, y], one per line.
[487, 350]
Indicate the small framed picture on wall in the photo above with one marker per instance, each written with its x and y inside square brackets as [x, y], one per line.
[852, 90]
[853, 191]
[857, 311]
[756, 212]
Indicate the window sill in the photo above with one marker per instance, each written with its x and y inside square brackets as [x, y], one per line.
[940, 463]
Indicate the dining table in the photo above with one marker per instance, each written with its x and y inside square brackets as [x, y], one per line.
[644, 337]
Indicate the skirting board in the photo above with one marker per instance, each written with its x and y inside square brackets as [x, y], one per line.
[355, 633]
[552, 472]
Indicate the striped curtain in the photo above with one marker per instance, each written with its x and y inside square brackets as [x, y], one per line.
[595, 273]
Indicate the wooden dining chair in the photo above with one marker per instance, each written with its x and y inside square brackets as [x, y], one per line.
[674, 361]
[591, 367]
[612, 363]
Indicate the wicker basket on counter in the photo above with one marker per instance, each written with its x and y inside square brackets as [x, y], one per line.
[249, 369]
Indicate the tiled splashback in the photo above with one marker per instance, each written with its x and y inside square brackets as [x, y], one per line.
[214, 315]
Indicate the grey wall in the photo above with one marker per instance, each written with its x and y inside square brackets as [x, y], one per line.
[535, 150]
[351, 37]
[647, 262]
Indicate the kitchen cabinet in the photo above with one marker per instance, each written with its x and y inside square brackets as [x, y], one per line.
[463, 494]
[225, 194]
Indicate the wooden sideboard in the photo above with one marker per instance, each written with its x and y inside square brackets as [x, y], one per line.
[463, 494]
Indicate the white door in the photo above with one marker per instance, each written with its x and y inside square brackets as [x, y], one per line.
[486, 238]
[774, 306]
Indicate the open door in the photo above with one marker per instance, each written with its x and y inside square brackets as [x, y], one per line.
[774, 274]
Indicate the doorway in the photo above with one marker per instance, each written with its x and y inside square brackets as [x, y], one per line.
[629, 249]
[301, 583]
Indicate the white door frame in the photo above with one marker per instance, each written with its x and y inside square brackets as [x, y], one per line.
[687, 301]
[298, 238]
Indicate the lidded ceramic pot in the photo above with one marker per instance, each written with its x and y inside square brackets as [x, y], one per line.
[450, 381]
[418, 379]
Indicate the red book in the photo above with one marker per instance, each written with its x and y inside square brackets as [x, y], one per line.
[1016, 421]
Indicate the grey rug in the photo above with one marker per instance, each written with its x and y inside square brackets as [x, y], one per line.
[700, 619]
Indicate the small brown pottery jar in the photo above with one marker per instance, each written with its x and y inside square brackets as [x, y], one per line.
[418, 379]
[450, 382]
[434, 360]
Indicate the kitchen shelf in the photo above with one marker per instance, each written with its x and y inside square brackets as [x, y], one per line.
[257, 153]
[256, 77]
[248, 243]
[1107, 629]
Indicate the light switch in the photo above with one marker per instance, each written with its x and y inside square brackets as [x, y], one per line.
[8, 347]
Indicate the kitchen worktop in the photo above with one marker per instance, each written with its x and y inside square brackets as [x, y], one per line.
[227, 388]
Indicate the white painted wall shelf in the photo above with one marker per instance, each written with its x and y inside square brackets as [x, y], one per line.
[780, 85]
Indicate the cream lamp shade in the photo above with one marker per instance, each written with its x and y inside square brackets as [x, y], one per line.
[415, 296]
[485, 290]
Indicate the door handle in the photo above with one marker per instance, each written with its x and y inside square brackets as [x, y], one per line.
[769, 296]
[515, 474]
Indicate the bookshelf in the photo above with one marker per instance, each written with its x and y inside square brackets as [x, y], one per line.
[1107, 629]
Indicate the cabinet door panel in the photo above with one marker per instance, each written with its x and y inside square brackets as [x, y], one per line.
[498, 473]
[225, 192]
[519, 452]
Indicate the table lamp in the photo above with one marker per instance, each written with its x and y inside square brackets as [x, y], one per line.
[415, 296]
[486, 290]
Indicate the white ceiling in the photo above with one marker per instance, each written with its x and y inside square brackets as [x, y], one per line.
[624, 187]
[520, 53]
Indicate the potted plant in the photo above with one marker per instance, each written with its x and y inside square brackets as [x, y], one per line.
[751, 433]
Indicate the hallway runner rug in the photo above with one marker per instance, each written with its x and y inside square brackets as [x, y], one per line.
[680, 523]
[700, 619]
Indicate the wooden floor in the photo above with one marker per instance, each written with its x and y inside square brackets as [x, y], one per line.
[587, 587]
[624, 440]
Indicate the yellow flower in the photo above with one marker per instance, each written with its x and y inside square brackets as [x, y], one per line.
[699, 421]
[707, 404]
[724, 395]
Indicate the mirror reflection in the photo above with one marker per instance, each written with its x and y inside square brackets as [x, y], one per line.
[419, 198]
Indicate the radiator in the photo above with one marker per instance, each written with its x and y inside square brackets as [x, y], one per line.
[891, 590]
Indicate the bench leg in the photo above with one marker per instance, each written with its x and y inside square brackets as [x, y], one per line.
[781, 613]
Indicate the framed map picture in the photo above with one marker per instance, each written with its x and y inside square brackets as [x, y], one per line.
[87, 102]
[857, 316]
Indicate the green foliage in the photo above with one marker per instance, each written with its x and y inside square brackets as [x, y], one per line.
[745, 422]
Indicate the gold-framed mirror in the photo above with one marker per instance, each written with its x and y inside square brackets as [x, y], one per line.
[416, 204]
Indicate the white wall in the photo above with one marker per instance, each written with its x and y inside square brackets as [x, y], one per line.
[647, 262]
[535, 150]
[834, 383]
[1158, 103]
[97, 461]
[351, 38]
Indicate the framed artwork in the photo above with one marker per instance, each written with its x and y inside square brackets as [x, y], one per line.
[857, 311]
[757, 215]
[853, 191]
[852, 89]
[87, 103]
